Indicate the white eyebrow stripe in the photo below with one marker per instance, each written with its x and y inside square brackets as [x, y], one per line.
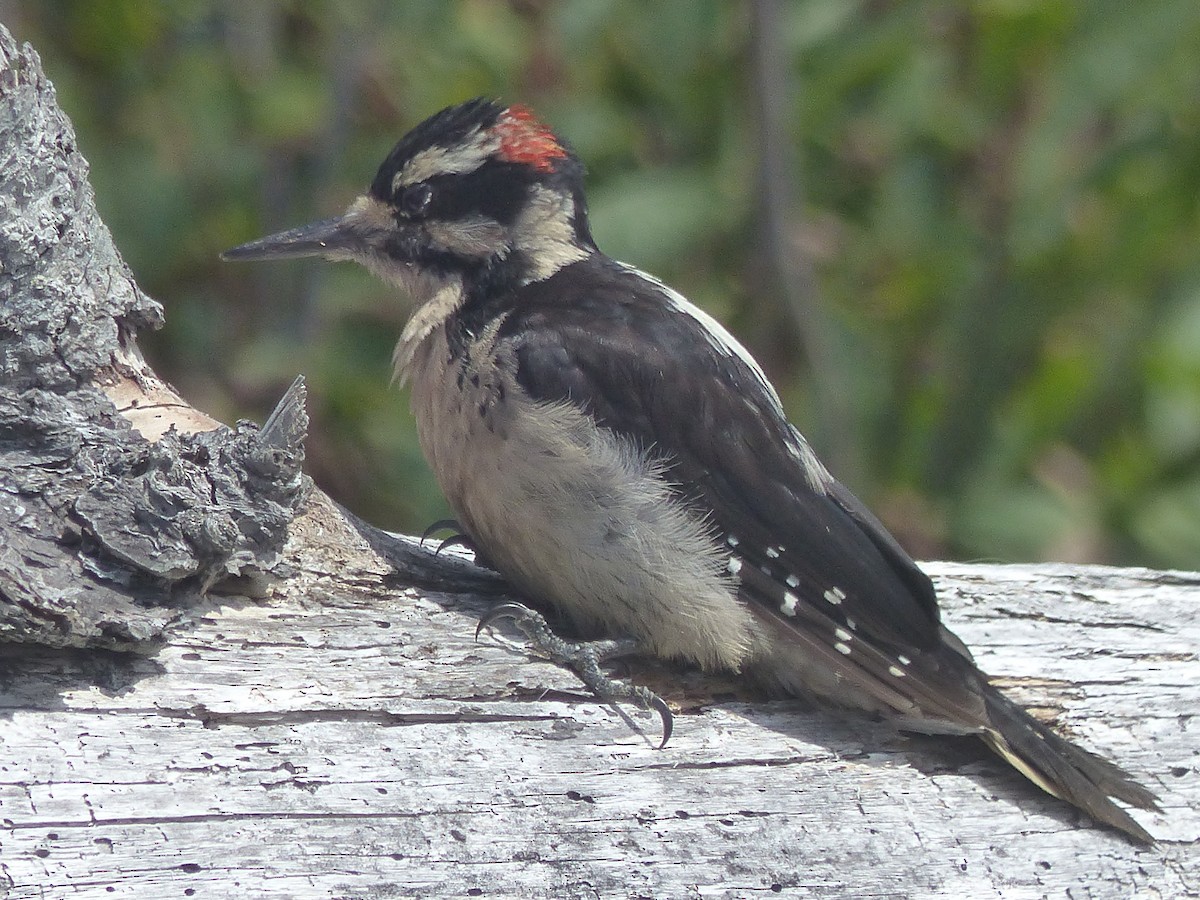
[457, 160]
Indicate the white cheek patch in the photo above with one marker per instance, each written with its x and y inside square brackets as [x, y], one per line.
[545, 234]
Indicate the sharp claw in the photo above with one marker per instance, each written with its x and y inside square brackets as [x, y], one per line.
[668, 718]
[460, 540]
[439, 525]
[500, 611]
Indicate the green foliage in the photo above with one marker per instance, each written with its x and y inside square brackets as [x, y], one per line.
[998, 200]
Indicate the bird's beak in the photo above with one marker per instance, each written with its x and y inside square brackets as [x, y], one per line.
[334, 238]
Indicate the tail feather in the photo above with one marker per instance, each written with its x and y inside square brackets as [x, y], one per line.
[1064, 770]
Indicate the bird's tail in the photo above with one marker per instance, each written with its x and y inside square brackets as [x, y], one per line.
[1064, 770]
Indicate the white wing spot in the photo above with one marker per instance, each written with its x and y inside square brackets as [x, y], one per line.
[732, 540]
[773, 553]
[851, 624]
[793, 581]
[842, 649]
[766, 570]
[834, 596]
[904, 660]
[788, 606]
[842, 634]
[735, 565]
[897, 673]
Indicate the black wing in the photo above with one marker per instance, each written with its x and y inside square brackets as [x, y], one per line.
[809, 555]
[622, 348]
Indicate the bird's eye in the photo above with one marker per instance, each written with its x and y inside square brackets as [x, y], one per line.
[415, 200]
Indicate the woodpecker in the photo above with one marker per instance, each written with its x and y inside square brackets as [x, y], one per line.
[621, 459]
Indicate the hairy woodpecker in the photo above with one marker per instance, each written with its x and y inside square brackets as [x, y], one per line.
[619, 457]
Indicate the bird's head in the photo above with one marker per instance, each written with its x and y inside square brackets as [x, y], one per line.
[478, 191]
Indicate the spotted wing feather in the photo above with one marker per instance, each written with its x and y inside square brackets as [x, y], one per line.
[810, 558]
[647, 370]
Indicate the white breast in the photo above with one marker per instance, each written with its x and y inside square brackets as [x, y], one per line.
[572, 514]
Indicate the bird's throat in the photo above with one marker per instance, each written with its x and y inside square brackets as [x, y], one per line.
[435, 301]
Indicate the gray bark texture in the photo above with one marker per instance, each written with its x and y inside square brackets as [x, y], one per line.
[216, 683]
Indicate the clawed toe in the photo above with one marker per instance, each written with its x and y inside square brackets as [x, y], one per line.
[507, 611]
[440, 525]
[584, 659]
[647, 699]
[455, 540]
[458, 539]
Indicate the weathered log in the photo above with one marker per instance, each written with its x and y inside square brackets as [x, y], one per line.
[214, 682]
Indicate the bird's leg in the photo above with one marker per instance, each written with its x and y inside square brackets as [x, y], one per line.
[584, 658]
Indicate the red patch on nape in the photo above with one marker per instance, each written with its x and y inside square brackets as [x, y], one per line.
[523, 139]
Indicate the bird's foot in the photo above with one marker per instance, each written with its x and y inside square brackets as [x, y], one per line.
[584, 658]
[459, 538]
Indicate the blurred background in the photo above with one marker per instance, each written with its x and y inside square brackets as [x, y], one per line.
[963, 236]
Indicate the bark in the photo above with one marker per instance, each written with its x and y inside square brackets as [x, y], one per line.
[214, 682]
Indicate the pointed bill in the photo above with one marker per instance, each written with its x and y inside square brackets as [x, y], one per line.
[331, 238]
